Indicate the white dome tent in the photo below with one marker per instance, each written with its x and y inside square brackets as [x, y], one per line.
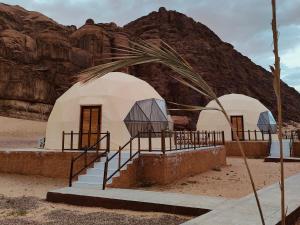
[246, 114]
[98, 106]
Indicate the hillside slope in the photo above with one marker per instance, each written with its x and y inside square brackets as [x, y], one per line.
[39, 58]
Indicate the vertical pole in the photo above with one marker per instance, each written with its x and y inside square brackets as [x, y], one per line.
[105, 173]
[63, 141]
[150, 141]
[119, 162]
[214, 138]
[255, 135]
[188, 138]
[130, 147]
[71, 173]
[223, 137]
[249, 137]
[180, 139]
[198, 138]
[163, 143]
[194, 136]
[139, 142]
[71, 140]
[170, 139]
[175, 139]
[107, 142]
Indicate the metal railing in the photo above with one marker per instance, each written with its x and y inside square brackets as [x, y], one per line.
[252, 135]
[169, 141]
[119, 155]
[84, 155]
[72, 141]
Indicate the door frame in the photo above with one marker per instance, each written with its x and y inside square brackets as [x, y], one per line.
[81, 123]
[243, 128]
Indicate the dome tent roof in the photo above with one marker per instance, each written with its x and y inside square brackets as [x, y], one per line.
[116, 92]
[235, 105]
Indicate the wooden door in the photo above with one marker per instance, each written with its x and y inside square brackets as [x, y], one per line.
[238, 125]
[90, 126]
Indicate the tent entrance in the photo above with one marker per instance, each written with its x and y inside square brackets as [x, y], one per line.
[238, 126]
[90, 126]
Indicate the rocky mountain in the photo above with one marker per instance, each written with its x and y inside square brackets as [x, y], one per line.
[39, 58]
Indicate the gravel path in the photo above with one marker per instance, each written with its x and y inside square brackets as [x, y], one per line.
[34, 211]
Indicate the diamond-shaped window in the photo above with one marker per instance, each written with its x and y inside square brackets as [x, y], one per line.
[147, 115]
[266, 122]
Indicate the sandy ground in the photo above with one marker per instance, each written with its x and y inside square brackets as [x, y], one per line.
[16, 133]
[34, 211]
[22, 197]
[231, 181]
[22, 202]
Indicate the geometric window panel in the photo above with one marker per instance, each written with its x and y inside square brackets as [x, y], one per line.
[266, 122]
[148, 115]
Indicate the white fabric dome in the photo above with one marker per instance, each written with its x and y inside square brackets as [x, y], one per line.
[235, 105]
[116, 92]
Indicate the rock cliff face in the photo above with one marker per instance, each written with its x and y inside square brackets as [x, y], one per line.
[39, 58]
[224, 68]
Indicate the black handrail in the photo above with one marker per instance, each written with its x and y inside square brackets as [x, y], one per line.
[252, 135]
[108, 159]
[196, 139]
[269, 144]
[86, 150]
[72, 145]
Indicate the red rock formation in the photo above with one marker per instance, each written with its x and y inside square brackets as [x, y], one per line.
[224, 68]
[38, 58]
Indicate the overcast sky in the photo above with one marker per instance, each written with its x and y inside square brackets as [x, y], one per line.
[243, 23]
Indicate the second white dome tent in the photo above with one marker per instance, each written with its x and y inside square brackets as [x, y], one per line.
[246, 114]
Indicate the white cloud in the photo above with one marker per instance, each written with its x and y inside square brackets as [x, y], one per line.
[292, 57]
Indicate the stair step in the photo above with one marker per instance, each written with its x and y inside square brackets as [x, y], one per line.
[100, 172]
[90, 178]
[80, 184]
[111, 165]
[94, 176]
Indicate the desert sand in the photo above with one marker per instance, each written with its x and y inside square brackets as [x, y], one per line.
[20, 133]
[232, 180]
[22, 202]
[22, 197]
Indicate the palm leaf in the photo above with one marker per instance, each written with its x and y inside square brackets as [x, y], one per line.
[141, 52]
[191, 107]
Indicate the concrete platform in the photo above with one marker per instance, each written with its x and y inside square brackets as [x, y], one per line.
[285, 159]
[245, 212]
[139, 200]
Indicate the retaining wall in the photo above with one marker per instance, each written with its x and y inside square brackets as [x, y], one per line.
[150, 169]
[48, 164]
[253, 149]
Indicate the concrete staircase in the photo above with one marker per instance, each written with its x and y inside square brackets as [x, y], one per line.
[94, 176]
[275, 148]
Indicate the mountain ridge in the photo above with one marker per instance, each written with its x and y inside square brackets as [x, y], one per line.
[39, 58]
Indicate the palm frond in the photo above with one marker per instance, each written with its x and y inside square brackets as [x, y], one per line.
[191, 107]
[144, 52]
[141, 52]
